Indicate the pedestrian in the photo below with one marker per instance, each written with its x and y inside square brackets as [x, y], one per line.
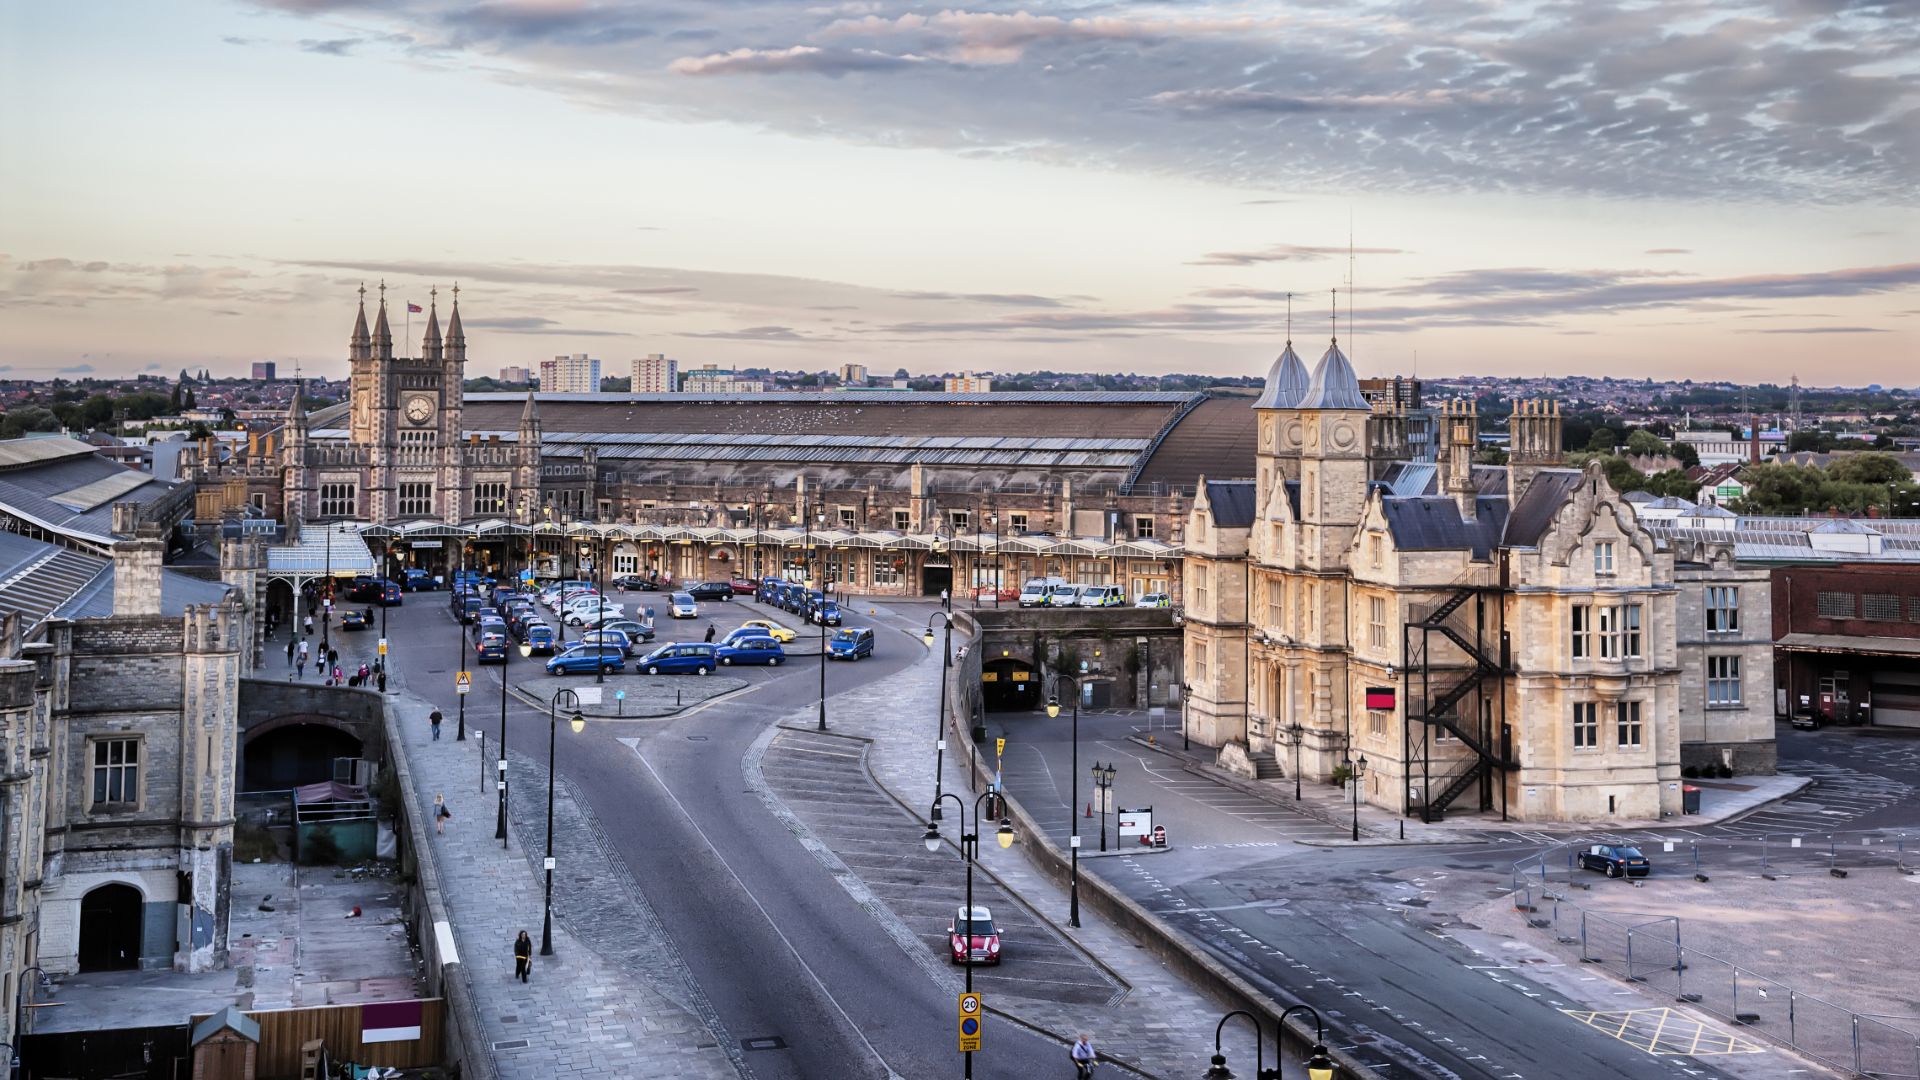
[309, 625]
[709, 632]
[1084, 1057]
[434, 718]
[364, 672]
[946, 600]
[522, 956]
[338, 677]
[301, 666]
[333, 656]
[440, 814]
[289, 652]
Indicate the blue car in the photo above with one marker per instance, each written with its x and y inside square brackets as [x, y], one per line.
[415, 579]
[466, 606]
[826, 613]
[850, 643]
[586, 659]
[538, 638]
[752, 650]
[692, 658]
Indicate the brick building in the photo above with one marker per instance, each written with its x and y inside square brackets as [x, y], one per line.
[1848, 642]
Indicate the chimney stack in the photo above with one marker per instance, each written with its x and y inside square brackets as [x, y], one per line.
[1753, 447]
[136, 573]
[1460, 430]
[1533, 443]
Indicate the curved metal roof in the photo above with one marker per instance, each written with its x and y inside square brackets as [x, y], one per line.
[1334, 385]
[1287, 382]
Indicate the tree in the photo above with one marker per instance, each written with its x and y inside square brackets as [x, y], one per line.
[186, 398]
[1603, 440]
[1685, 454]
[1672, 482]
[1642, 443]
[1868, 469]
[31, 418]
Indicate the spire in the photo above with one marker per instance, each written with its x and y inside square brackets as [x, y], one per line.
[530, 415]
[1334, 385]
[430, 344]
[361, 347]
[382, 335]
[456, 337]
[297, 407]
[1286, 382]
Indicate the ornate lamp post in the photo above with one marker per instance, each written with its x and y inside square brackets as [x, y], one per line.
[940, 733]
[1073, 816]
[1319, 1063]
[970, 852]
[1103, 780]
[1359, 769]
[579, 723]
[1296, 735]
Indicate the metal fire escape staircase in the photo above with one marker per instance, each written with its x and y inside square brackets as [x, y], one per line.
[1443, 692]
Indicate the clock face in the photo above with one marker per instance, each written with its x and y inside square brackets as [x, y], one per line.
[419, 409]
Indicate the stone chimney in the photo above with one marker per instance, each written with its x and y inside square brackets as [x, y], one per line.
[136, 573]
[126, 518]
[1534, 443]
[1460, 440]
[1753, 446]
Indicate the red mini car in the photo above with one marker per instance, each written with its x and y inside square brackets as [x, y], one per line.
[743, 587]
[976, 935]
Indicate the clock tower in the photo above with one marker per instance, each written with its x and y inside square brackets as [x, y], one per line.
[404, 435]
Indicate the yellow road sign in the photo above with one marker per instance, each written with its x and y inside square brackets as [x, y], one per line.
[463, 681]
[999, 747]
[969, 1004]
[383, 646]
[972, 1011]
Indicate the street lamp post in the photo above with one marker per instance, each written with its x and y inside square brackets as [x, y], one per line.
[1073, 816]
[1296, 735]
[1103, 781]
[20, 1011]
[500, 819]
[1358, 769]
[969, 852]
[579, 723]
[460, 648]
[1319, 1063]
[1185, 689]
[940, 733]
[807, 518]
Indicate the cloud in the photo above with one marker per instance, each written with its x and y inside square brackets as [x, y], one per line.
[803, 58]
[331, 46]
[534, 324]
[752, 333]
[1286, 253]
[1820, 330]
[77, 369]
[1669, 251]
[1243, 100]
[1007, 299]
[997, 38]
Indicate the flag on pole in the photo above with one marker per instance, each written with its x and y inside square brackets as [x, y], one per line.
[413, 308]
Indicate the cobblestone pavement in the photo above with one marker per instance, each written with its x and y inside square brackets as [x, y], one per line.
[613, 999]
[1163, 1025]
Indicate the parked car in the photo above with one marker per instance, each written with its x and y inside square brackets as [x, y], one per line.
[770, 628]
[973, 936]
[593, 609]
[636, 631]
[1102, 596]
[742, 586]
[689, 657]
[850, 643]
[1034, 592]
[586, 659]
[470, 579]
[759, 649]
[1615, 860]
[615, 638]
[1154, 599]
[538, 638]
[635, 583]
[710, 590]
[374, 590]
[826, 613]
[682, 606]
[414, 579]
[1064, 595]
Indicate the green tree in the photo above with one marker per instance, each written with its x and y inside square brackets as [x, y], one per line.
[1603, 440]
[26, 420]
[1868, 469]
[1685, 454]
[1642, 443]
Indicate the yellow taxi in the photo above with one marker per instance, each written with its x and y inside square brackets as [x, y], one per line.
[773, 630]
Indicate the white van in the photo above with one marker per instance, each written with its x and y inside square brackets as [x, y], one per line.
[1102, 596]
[1034, 592]
[1064, 595]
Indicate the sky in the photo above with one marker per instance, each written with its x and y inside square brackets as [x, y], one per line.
[1714, 189]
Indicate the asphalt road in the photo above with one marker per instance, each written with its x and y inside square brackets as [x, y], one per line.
[778, 948]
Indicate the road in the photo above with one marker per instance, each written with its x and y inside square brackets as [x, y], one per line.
[782, 953]
[1356, 924]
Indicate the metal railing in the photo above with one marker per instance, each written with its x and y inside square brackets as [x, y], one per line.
[1650, 949]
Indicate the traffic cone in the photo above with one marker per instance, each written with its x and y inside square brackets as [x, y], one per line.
[1089, 812]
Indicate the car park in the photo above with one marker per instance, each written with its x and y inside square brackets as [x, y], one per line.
[586, 659]
[682, 606]
[850, 643]
[635, 583]
[684, 658]
[1154, 599]
[537, 638]
[710, 590]
[1102, 596]
[751, 649]
[1615, 860]
[772, 629]
[973, 937]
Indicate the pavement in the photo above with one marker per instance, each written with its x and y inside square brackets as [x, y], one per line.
[593, 1008]
[628, 695]
[291, 945]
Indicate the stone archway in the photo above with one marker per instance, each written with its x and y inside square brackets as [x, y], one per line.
[111, 918]
[1010, 685]
[288, 751]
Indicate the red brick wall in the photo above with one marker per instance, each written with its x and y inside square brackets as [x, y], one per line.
[1797, 599]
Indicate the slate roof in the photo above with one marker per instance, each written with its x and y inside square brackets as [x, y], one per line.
[1232, 502]
[229, 1017]
[71, 493]
[1433, 523]
[178, 591]
[1543, 498]
[36, 577]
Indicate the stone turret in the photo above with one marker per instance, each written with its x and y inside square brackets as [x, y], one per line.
[430, 341]
[382, 333]
[1534, 443]
[1460, 439]
[361, 347]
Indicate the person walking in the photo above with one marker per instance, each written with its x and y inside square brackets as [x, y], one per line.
[1084, 1057]
[434, 718]
[440, 814]
[522, 956]
[303, 660]
[333, 658]
[709, 633]
[289, 652]
[946, 599]
[309, 625]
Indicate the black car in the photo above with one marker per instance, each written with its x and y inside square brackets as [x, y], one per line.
[1615, 861]
[711, 590]
[630, 582]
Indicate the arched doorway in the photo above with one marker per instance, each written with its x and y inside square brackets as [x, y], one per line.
[110, 921]
[1009, 685]
[288, 755]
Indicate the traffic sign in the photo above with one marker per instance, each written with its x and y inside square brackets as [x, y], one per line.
[972, 1011]
[999, 747]
[463, 681]
[383, 646]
